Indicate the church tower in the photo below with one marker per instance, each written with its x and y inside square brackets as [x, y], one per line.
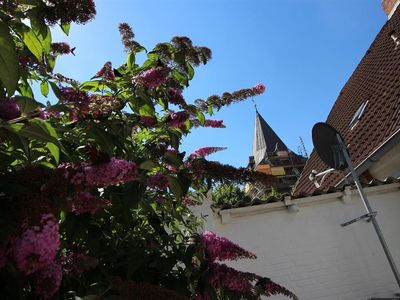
[271, 156]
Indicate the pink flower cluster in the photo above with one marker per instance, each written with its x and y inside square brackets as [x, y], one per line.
[187, 201]
[40, 113]
[215, 123]
[102, 105]
[178, 118]
[203, 152]
[38, 245]
[63, 12]
[75, 264]
[271, 288]
[106, 72]
[79, 99]
[86, 203]
[60, 48]
[158, 181]
[47, 280]
[175, 97]
[259, 88]
[113, 172]
[234, 280]
[152, 78]
[220, 248]
[101, 175]
[9, 109]
[148, 121]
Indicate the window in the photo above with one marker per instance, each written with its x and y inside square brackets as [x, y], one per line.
[358, 115]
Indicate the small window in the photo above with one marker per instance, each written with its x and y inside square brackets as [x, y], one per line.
[358, 114]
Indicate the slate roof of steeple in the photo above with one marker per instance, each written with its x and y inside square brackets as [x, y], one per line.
[265, 140]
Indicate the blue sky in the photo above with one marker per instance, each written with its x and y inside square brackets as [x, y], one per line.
[302, 50]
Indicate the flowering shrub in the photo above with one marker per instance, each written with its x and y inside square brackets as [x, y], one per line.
[94, 192]
[220, 248]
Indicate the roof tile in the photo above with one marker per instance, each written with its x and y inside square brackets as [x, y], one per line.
[376, 79]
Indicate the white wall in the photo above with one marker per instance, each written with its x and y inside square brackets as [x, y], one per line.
[309, 252]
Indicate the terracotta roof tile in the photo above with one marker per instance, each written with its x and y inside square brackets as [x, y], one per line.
[376, 80]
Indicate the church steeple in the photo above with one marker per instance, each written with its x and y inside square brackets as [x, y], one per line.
[265, 140]
[271, 156]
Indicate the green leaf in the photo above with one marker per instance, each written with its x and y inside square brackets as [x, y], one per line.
[25, 89]
[201, 117]
[56, 90]
[103, 138]
[190, 71]
[19, 142]
[174, 138]
[65, 28]
[62, 216]
[51, 61]
[44, 88]
[32, 41]
[132, 194]
[38, 130]
[148, 165]
[8, 60]
[175, 186]
[6, 159]
[210, 110]
[27, 105]
[146, 109]
[92, 86]
[53, 145]
[139, 48]
[173, 158]
[130, 60]
[42, 32]
[180, 77]
[153, 55]
[143, 104]
[163, 102]
[55, 151]
[59, 108]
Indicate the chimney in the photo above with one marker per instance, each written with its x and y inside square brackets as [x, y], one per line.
[389, 6]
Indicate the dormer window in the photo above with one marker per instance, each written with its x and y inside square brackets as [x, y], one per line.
[358, 114]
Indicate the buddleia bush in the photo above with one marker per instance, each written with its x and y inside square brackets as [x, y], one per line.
[94, 190]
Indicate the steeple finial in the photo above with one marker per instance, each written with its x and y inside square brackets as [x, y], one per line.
[255, 104]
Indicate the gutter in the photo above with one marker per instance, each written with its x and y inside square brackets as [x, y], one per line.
[364, 165]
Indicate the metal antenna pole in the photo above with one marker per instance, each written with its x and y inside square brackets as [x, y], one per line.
[369, 210]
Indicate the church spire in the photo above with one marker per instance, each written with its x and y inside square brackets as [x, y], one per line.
[265, 140]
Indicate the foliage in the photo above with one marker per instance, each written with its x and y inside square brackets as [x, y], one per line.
[228, 195]
[93, 189]
[271, 196]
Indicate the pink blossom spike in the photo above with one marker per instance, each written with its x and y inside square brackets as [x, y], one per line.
[158, 181]
[259, 88]
[203, 152]
[47, 280]
[152, 78]
[215, 123]
[38, 245]
[220, 248]
[229, 278]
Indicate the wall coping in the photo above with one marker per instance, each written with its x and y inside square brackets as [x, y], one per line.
[345, 196]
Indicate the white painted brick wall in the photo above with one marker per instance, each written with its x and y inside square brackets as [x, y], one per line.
[311, 254]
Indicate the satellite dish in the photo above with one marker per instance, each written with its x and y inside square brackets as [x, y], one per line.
[328, 146]
[332, 150]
